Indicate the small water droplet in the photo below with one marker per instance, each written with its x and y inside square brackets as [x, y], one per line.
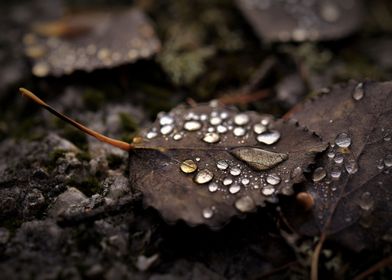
[224, 115]
[188, 166]
[245, 181]
[204, 176]
[343, 140]
[266, 121]
[222, 165]
[215, 121]
[269, 138]
[197, 159]
[227, 181]
[366, 201]
[235, 171]
[359, 92]
[296, 172]
[273, 179]
[239, 131]
[338, 158]
[213, 187]
[177, 136]
[166, 129]
[211, 137]
[166, 120]
[319, 174]
[380, 164]
[151, 134]
[351, 166]
[268, 190]
[192, 125]
[221, 129]
[258, 128]
[245, 204]
[388, 160]
[331, 154]
[336, 172]
[203, 117]
[207, 213]
[241, 119]
[387, 138]
[234, 189]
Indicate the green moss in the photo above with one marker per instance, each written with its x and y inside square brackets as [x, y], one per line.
[88, 186]
[53, 157]
[93, 99]
[115, 161]
[75, 136]
[128, 124]
[83, 156]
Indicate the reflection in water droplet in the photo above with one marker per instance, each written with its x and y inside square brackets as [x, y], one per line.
[366, 201]
[388, 160]
[351, 166]
[165, 120]
[319, 174]
[227, 181]
[273, 179]
[215, 121]
[239, 131]
[343, 140]
[188, 166]
[269, 138]
[359, 92]
[203, 176]
[211, 137]
[213, 187]
[151, 134]
[235, 171]
[166, 129]
[221, 129]
[258, 128]
[336, 172]
[241, 119]
[268, 190]
[338, 158]
[208, 213]
[245, 204]
[192, 125]
[234, 189]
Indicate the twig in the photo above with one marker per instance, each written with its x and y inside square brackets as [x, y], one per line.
[374, 268]
[315, 258]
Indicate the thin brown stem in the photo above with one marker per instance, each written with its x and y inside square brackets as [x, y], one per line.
[374, 268]
[315, 258]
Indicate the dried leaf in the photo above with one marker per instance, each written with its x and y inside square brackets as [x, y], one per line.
[213, 163]
[351, 182]
[89, 41]
[302, 20]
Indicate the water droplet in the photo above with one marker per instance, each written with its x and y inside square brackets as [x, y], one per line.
[268, 190]
[388, 160]
[336, 172]
[266, 121]
[235, 171]
[165, 120]
[259, 159]
[151, 134]
[221, 129]
[197, 159]
[166, 129]
[203, 117]
[177, 136]
[245, 181]
[188, 166]
[359, 92]
[245, 204]
[351, 166]
[387, 138]
[331, 154]
[343, 140]
[234, 189]
[239, 131]
[366, 201]
[204, 176]
[224, 115]
[269, 138]
[296, 172]
[338, 158]
[215, 121]
[273, 179]
[213, 187]
[241, 119]
[222, 165]
[258, 128]
[211, 137]
[319, 174]
[192, 125]
[227, 181]
[208, 213]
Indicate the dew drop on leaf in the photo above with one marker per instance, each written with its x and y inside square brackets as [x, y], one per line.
[319, 174]
[215, 121]
[351, 166]
[239, 131]
[151, 134]
[359, 92]
[388, 160]
[366, 201]
[165, 120]
[244, 204]
[213, 187]
[273, 179]
[343, 140]
[336, 172]
[192, 125]
[268, 190]
[234, 189]
[204, 176]
[227, 181]
[188, 166]
[166, 129]
[258, 128]
[338, 158]
[221, 129]
[222, 165]
[211, 137]
[245, 181]
[269, 138]
[208, 213]
[235, 171]
[241, 119]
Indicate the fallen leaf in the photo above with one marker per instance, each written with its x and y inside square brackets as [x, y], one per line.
[215, 163]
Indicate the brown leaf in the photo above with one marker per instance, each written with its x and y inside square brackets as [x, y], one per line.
[211, 167]
[299, 21]
[351, 182]
[89, 41]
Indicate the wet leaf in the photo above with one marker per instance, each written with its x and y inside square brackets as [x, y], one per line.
[89, 41]
[350, 185]
[215, 163]
[302, 20]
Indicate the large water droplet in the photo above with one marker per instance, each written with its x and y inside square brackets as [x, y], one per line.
[204, 176]
[241, 119]
[166, 129]
[215, 121]
[268, 190]
[235, 171]
[177, 136]
[359, 92]
[227, 181]
[343, 140]
[259, 159]
[239, 131]
[245, 181]
[319, 174]
[269, 138]
[151, 134]
[192, 125]
[366, 201]
[213, 187]
[388, 160]
[234, 189]
[258, 128]
[336, 172]
[222, 165]
[165, 120]
[207, 213]
[338, 158]
[188, 166]
[245, 204]
[273, 179]
[351, 166]
[211, 137]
